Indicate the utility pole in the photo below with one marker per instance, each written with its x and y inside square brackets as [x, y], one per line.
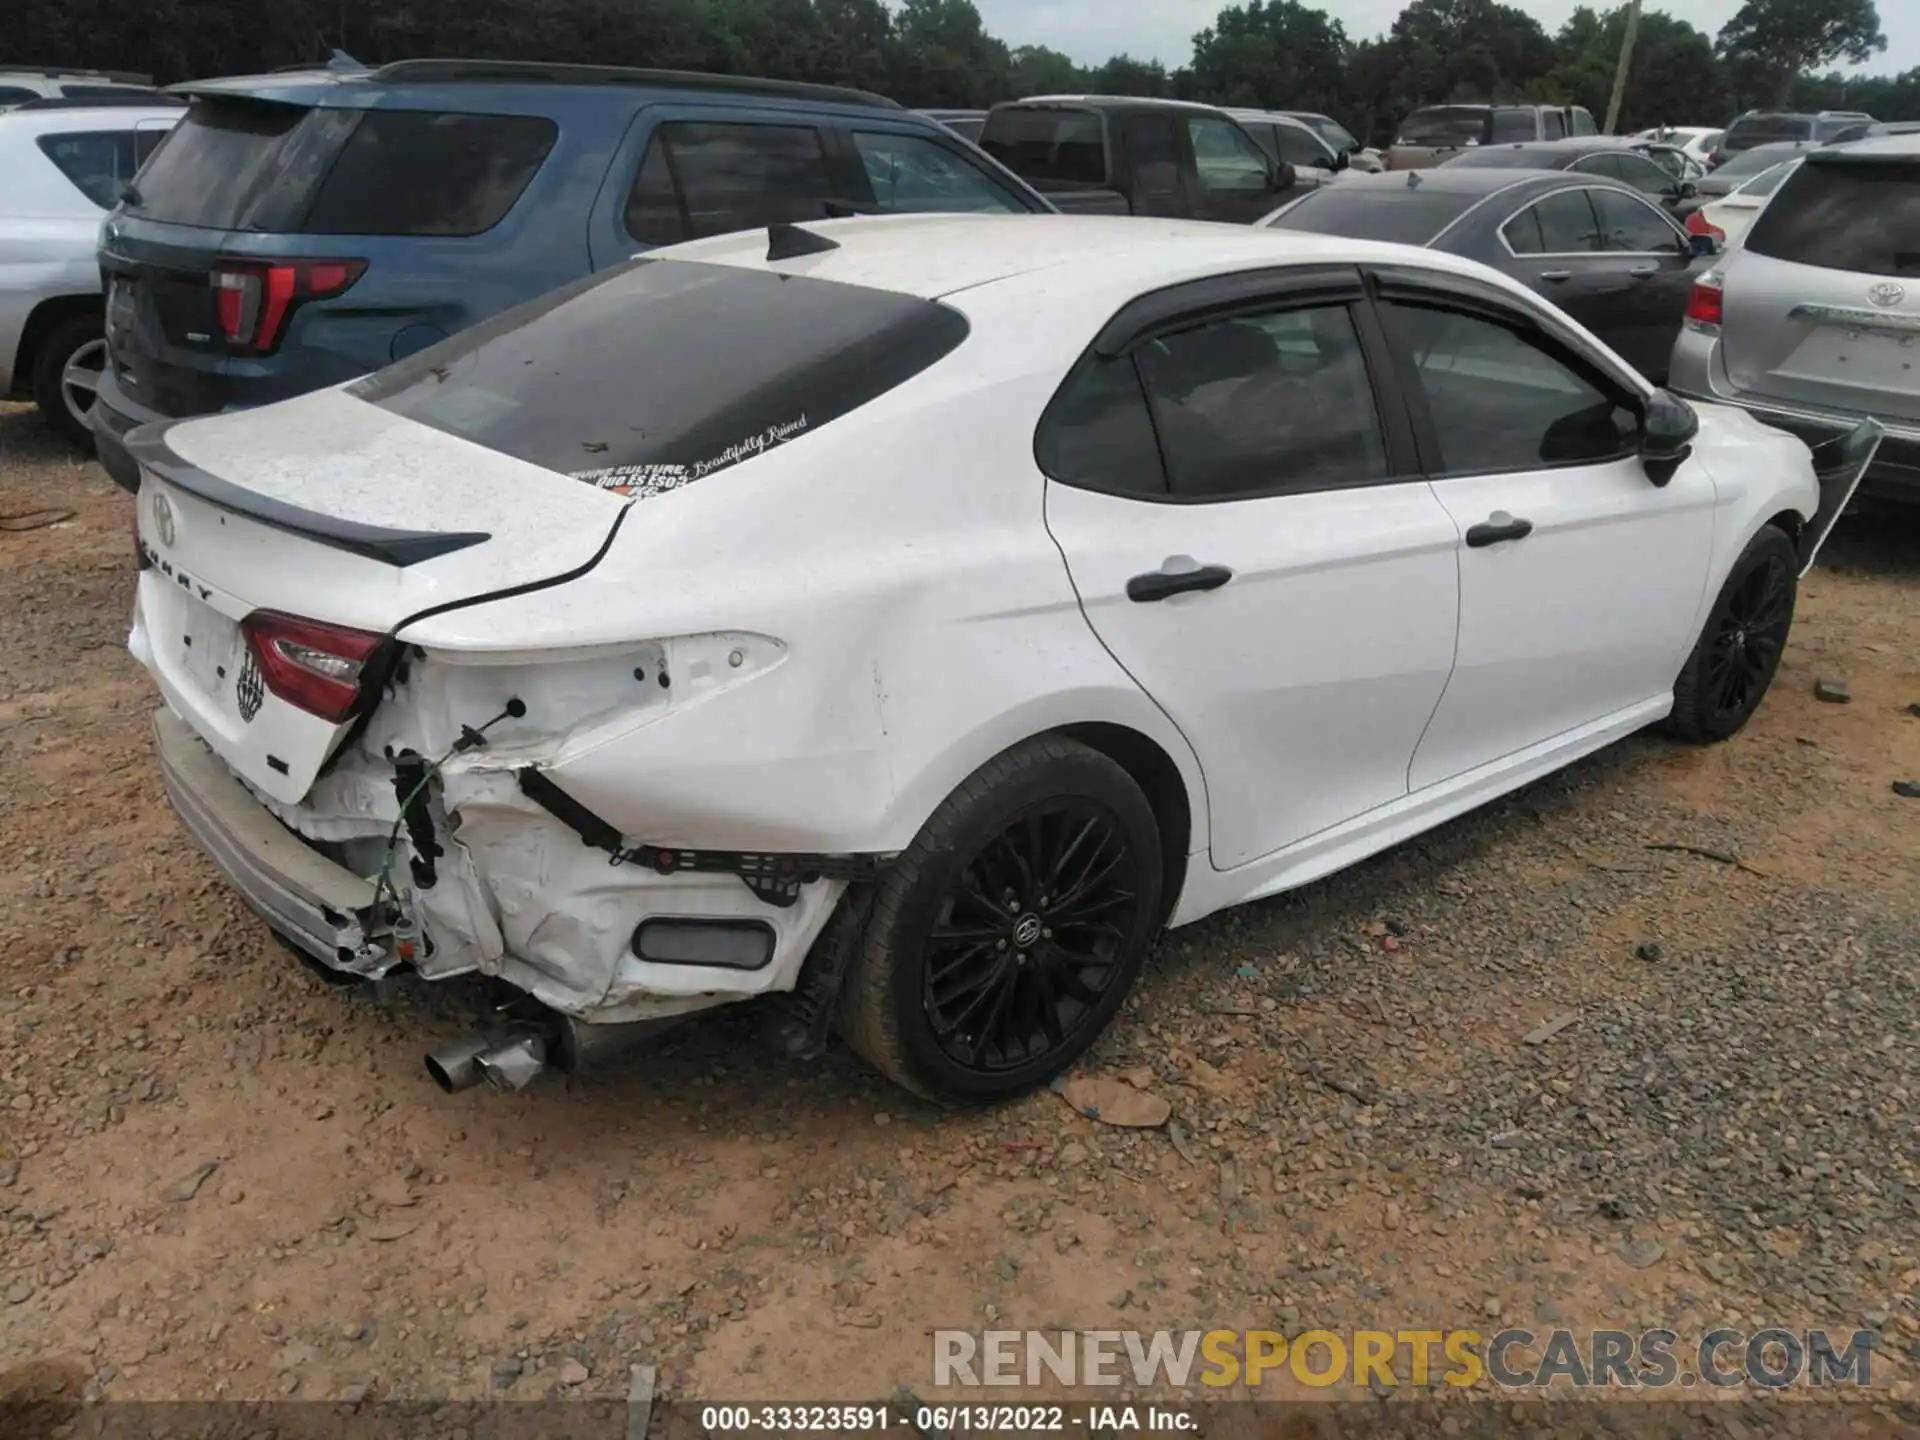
[1620, 70]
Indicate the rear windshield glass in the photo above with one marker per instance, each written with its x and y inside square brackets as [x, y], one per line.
[659, 372]
[1063, 146]
[245, 164]
[1447, 125]
[233, 164]
[1852, 215]
[1506, 157]
[1765, 129]
[1374, 212]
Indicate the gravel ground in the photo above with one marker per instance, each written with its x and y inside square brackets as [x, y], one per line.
[1526, 1070]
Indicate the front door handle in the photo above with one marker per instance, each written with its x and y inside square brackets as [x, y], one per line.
[1641, 272]
[1497, 527]
[1556, 274]
[1176, 577]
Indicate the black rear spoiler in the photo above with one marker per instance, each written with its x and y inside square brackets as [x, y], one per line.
[148, 446]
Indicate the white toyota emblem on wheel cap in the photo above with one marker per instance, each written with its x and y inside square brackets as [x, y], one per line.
[1886, 292]
[163, 519]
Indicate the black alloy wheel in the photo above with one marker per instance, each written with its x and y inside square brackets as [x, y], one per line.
[1007, 935]
[1750, 638]
[1740, 646]
[1030, 936]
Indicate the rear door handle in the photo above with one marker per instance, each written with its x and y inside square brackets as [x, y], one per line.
[1497, 527]
[1641, 272]
[1169, 580]
[1556, 274]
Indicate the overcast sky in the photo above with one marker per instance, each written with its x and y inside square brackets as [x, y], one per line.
[1091, 30]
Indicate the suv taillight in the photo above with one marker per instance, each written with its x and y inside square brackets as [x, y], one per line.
[1705, 305]
[310, 665]
[1698, 224]
[253, 299]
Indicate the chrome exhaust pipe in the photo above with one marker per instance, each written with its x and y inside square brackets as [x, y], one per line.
[455, 1067]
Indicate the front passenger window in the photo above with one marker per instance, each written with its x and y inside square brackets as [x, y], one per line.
[1264, 404]
[1500, 401]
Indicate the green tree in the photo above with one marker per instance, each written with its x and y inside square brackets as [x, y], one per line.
[1271, 54]
[1468, 50]
[1036, 70]
[1124, 75]
[1778, 40]
[1674, 78]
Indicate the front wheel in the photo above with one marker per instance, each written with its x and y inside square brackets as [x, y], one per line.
[1008, 934]
[1739, 650]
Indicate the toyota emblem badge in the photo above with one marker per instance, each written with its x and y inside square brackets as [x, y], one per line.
[163, 519]
[1886, 293]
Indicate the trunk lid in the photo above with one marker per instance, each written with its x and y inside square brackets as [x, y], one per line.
[1822, 304]
[342, 514]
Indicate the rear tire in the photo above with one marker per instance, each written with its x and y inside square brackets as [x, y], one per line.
[1008, 934]
[1739, 650]
[67, 367]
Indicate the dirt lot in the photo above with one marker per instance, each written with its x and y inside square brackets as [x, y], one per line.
[221, 1177]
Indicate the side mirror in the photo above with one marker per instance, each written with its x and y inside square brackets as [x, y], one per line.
[1688, 189]
[1282, 176]
[1699, 245]
[1342, 160]
[1666, 435]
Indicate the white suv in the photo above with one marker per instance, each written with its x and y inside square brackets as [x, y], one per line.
[66, 162]
[17, 86]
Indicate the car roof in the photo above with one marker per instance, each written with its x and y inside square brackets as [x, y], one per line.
[1872, 147]
[1119, 102]
[68, 119]
[1471, 181]
[321, 85]
[933, 256]
[1276, 117]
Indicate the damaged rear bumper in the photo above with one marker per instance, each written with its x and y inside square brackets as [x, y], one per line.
[323, 907]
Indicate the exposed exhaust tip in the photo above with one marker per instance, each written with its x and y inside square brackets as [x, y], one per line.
[456, 1067]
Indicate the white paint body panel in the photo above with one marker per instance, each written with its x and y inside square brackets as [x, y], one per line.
[853, 622]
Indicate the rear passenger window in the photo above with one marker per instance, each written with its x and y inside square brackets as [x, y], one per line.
[99, 163]
[420, 172]
[1264, 404]
[1097, 434]
[700, 179]
[913, 173]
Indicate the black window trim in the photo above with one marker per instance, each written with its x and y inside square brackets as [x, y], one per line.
[1466, 296]
[1252, 292]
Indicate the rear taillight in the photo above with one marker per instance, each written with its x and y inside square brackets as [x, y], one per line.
[1704, 306]
[252, 299]
[313, 666]
[1698, 224]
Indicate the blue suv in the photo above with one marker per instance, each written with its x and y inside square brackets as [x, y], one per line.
[297, 230]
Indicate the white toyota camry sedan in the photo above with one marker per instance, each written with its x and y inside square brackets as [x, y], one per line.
[908, 618]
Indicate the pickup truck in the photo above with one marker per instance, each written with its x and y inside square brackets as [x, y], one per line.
[1113, 155]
